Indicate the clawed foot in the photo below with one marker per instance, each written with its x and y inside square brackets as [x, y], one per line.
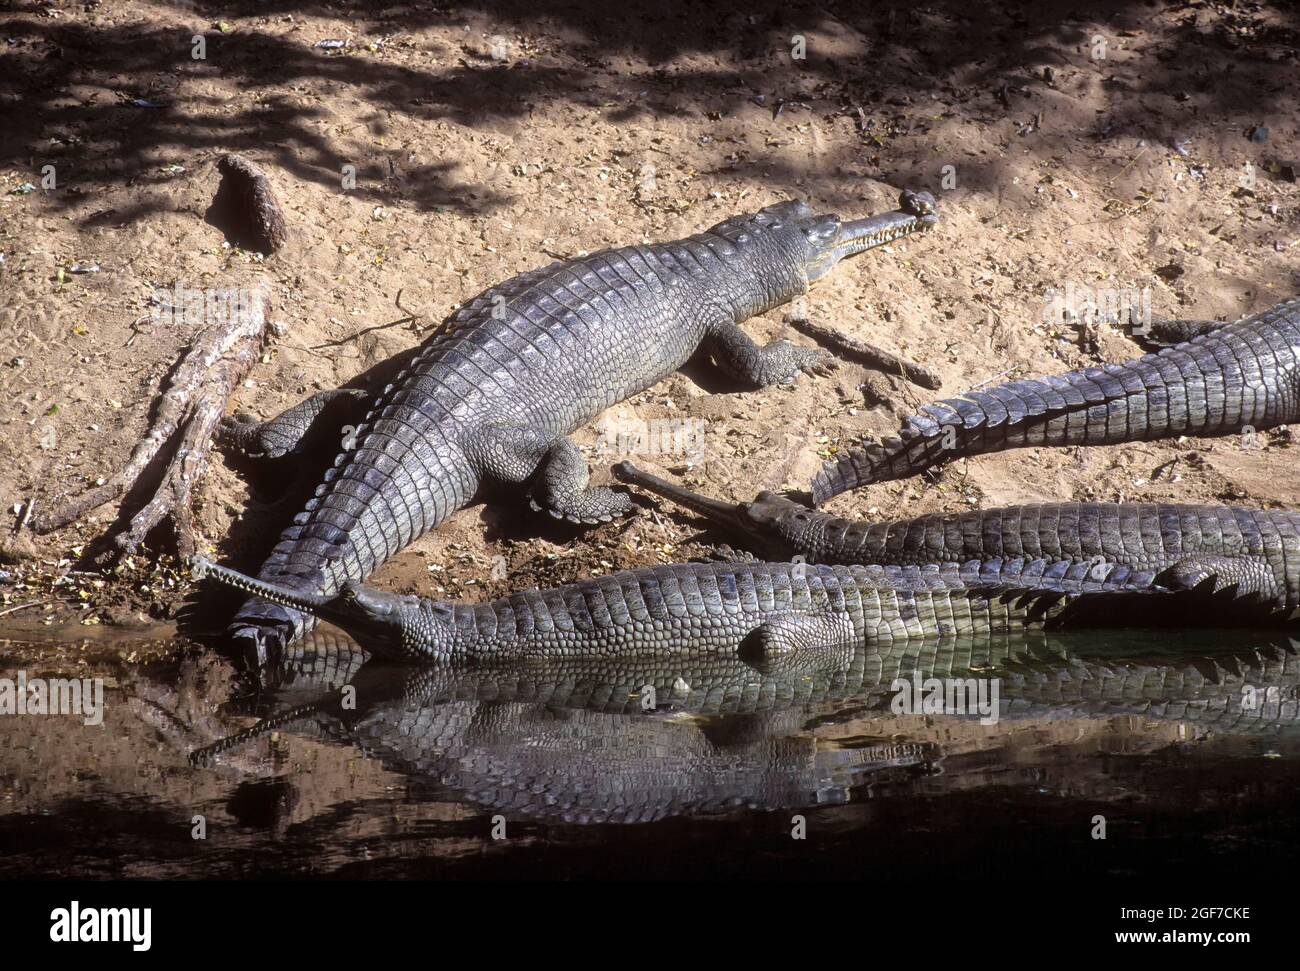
[822, 365]
[727, 554]
[788, 360]
[592, 506]
[244, 433]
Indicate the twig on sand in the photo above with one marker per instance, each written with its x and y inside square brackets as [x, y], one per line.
[996, 377]
[412, 314]
[868, 354]
[191, 405]
[410, 318]
[25, 516]
[34, 603]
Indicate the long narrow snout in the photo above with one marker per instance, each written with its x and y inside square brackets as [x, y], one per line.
[729, 513]
[917, 212]
[202, 568]
[375, 618]
[760, 520]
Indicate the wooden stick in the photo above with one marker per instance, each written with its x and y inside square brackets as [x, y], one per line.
[34, 603]
[192, 404]
[245, 207]
[868, 354]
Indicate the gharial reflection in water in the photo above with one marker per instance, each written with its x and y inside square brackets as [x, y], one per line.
[634, 740]
[639, 739]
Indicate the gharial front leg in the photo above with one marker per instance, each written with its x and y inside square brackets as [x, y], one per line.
[778, 362]
[557, 473]
[298, 429]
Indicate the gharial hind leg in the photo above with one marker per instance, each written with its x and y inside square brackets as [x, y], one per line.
[1167, 333]
[1248, 576]
[296, 430]
[556, 469]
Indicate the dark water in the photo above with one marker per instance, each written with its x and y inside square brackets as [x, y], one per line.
[1183, 747]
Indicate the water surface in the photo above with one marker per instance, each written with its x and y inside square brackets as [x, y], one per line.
[1184, 746]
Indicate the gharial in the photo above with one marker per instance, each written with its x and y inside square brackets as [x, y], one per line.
[1223, 378]
[765, 611]
[490, 398]
[1254, 551]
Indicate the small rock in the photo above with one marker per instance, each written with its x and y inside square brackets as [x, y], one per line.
[1257, 134]
[16, 547]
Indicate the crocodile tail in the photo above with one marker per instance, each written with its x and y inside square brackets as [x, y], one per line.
[1057, 594]
[1012, 415]
[1068, 592]
[364, 510]
[1224, 380]
[1030, 593]
[1208, 603]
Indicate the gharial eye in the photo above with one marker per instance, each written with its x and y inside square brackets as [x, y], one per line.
[822, 230]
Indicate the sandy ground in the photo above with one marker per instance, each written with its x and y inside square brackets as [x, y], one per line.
[1104, 147]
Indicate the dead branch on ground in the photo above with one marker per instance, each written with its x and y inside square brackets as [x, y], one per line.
[868, 354]
[192, 404]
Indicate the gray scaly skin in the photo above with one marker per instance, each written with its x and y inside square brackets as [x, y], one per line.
[1255, 550]
[464, 731]
[770, 611]
[1206, 667]
[574, 738]
[489, 399]
[1231, 377]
